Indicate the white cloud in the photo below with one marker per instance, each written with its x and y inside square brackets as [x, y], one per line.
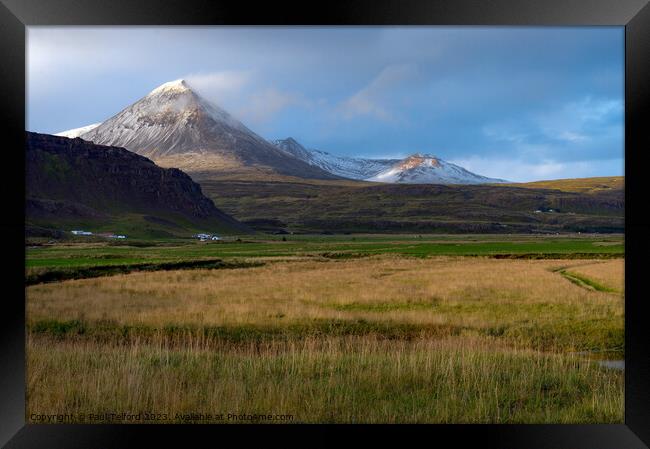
[579, 121]
[518, 170]
[571, 136]
[264, 105]
[369, 101]
[594, 110]
[216, 85]
[244, 94]
[583, 129]
[505, 132]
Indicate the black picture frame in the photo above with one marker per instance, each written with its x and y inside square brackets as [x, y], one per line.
[15, 15]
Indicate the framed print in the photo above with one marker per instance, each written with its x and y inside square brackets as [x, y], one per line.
[377, 218]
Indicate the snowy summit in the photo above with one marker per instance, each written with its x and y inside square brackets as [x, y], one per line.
[426, 169]
[177, 86]
[176, 127]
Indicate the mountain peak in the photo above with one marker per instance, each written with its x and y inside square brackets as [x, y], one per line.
[179, 86]
[428, 169]
[175, 126]
[418, 160]
[289, 142]
[422, 156]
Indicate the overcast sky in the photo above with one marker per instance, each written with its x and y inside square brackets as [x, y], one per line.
[516, 103]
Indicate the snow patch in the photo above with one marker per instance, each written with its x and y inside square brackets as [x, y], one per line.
[76, 132]
[178, 85]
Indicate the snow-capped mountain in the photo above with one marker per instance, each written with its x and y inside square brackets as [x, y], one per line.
[415, 169]
[72, 133]
[174, 126]
[427, 169]
[347, 167]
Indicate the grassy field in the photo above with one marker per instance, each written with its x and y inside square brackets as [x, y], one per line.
[103, 253]
[470, 329]
[57, 262]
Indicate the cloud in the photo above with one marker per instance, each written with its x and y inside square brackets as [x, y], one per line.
[595, 109]
[583, 120]
[247, 96]
[589, 128]
[244, 94]
[264, 105]
[372, 99]
[225, 88]
[571, 136]
[523, 170]
[216, 84]
[505, 132]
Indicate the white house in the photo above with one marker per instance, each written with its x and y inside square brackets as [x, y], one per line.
[204, 237]
[79, 232]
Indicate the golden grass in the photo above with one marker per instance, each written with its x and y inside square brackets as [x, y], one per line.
[522, 297]
[609, 273]
[323, 380]
[316, 289]
[380, 339]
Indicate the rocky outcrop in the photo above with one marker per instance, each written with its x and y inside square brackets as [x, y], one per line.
[82, 177]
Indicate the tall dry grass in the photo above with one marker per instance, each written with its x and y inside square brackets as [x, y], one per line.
[358, 379]
[609, 273]
[384, 339]
[403, 289]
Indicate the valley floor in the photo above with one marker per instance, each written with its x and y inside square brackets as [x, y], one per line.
[330, 333]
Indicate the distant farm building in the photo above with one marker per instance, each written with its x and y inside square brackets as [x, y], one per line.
[79, 232]
[205, 237]
[111, 235]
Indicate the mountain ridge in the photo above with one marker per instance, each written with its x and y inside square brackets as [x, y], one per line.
[347, 167]
[417, 168]
[176, 127]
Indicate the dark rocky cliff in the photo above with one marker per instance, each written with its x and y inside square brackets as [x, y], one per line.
[72, 177]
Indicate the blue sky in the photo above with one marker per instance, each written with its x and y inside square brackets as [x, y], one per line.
[516, 103]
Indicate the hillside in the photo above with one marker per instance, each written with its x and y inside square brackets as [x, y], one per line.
[71, 183]
[583, 185]
[347, 206]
